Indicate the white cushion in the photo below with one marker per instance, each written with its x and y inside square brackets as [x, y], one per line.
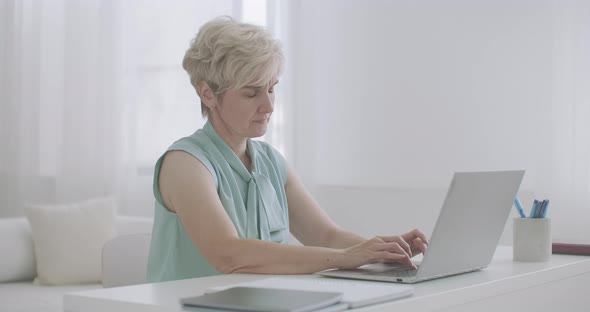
[133, 225]
[68, 240]
[16, 248]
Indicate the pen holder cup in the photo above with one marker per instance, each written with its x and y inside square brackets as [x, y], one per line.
[531, 239]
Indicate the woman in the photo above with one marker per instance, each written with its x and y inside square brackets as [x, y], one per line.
[226, 203]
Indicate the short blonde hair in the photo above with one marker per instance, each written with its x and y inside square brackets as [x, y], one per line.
[230, 55]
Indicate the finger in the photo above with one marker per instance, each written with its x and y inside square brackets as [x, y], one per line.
[401, 241]
[385, 256]
[407, 261]
[395, 248]
[405, 245]
[420, 245]
[393, 257]
[421, 235]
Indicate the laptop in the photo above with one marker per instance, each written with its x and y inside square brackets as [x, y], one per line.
[465, 235]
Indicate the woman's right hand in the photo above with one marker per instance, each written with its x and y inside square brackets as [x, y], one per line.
[376, 250]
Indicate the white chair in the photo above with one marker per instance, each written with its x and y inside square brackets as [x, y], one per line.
[124, 260]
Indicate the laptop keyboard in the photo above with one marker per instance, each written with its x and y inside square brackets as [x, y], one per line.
[402, 271]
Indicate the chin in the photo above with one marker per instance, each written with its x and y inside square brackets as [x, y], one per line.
[258, 132]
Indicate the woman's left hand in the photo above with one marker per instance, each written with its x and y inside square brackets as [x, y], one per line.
[413, 242]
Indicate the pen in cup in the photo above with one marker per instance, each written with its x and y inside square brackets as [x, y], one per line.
[534, 208]
[545, 210]
[542, 211]
[538, 210]
[519, 208]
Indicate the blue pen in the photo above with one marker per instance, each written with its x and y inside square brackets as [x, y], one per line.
[541, 208]
[519, 208]
[545, 210]
[534, 209]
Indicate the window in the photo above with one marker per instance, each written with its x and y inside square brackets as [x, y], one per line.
[162, 104]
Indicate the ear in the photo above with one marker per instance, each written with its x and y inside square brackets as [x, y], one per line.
[207, 96]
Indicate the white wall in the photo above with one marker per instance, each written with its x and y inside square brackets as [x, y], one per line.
[392, 97]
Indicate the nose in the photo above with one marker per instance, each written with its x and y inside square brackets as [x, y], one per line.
[267, 104]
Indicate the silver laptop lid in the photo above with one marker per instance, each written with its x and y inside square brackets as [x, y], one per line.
[471, 221]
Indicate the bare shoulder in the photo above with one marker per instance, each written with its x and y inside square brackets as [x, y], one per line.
[178, 157]
[181, 172]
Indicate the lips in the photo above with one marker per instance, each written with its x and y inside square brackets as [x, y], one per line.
[262, 120]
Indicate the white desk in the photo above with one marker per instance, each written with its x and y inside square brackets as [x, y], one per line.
[563, 284]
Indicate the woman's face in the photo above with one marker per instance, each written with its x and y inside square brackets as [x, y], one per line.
[245, 112]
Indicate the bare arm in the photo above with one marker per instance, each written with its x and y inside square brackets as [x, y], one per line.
[187, 189]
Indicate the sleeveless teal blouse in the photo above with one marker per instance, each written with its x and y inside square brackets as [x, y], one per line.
[255, 202]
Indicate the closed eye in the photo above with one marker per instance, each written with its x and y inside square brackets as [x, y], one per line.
[250, 92]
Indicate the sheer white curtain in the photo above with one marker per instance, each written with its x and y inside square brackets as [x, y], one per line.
[61, 110]
[567, 173]
[91, 92]
[413, 91]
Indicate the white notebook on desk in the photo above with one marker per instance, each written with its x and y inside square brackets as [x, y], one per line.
[354, 293]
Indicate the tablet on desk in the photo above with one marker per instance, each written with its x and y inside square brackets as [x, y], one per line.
[264, 300]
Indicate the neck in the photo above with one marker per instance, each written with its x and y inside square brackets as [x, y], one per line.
[236, 143]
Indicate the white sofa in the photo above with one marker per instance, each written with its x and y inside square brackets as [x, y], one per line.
[22, 295]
